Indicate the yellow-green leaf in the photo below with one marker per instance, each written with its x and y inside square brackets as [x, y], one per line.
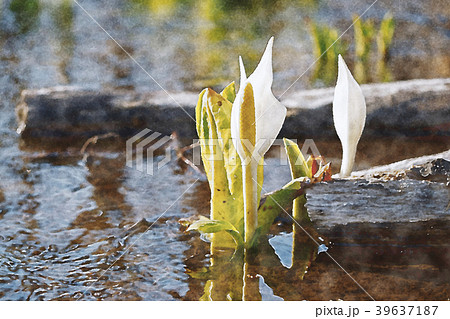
[297, 163]
[272, 204]
[209, 226]
[229, 92]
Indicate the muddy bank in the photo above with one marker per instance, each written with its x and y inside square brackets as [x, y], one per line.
[408, 108]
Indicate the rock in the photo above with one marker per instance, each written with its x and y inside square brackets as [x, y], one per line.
[409, 108]
[407, 191]
[418, 190]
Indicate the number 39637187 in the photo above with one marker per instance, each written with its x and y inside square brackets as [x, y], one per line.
[406, 310]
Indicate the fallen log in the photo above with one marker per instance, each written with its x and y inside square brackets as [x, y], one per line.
[407, 108]
[430, 167]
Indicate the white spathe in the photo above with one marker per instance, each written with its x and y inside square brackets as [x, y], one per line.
[349, 115]
[269, 112]
[269, 117]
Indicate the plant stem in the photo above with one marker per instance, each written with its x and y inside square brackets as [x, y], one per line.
[249, 176]
[348, 159]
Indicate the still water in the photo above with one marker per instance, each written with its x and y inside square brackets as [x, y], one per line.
[65, 220]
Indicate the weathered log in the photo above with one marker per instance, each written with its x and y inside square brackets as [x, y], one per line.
[430, 167]
[408, 108]
[73, 112]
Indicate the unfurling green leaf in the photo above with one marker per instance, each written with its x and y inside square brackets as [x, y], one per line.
[299, 168]
[220, 160]
[272, 204]
[229, 92]
[208, 226]
[298, 165]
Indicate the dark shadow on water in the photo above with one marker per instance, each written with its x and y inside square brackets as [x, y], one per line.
[394, 261]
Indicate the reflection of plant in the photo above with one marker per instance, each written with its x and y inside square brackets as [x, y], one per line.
[63, 16]
[26, 13]
[326, 48]
[231, 277]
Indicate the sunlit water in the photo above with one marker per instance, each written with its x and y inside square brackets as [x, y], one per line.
[65, 221]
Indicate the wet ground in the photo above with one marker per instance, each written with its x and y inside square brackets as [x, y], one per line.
[65, 219]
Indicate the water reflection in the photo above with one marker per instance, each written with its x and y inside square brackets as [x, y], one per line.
[243, 275]
[63, 17]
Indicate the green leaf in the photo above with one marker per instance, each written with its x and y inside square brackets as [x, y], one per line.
[221, 111]
[298, 165]
[229, 92]
[272, 204]
[221, 162]
[299, 168]
[209, 226]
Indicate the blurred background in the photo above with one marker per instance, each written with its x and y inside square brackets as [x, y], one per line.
[190, 44]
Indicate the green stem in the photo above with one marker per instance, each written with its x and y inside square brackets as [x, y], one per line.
[249, 176]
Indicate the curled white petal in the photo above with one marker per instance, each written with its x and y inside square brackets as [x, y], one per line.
[235, 120]
[269, 112]
[349, 115]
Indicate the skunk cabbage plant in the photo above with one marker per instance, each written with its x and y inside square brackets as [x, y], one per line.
[349, 115]
[256, 119]
[235, 131]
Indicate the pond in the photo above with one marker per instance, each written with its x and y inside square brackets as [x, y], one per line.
[65, 220]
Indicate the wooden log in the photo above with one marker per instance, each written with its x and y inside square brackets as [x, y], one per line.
[407, 108]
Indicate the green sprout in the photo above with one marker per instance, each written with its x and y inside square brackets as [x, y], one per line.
[326, 48]
[384, 40]
[364, 34]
